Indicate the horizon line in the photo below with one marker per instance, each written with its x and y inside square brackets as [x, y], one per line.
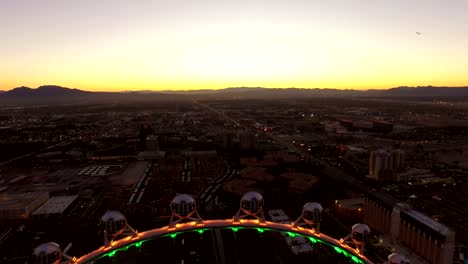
[240, 87]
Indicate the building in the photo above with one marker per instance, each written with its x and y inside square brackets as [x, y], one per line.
[151, 155]
[54, 207]
[228, 140]
[279, 216]
[378, 208]
[350, 209]
[49, 155]
[363, 125]
[332, 127]
[200, 153]
[381, 165]
[428, 240]
[152, 143]
[414, 176]
[398, 157]
[348, 124]
[384, 165]
[20, 206]
[382, 127]
[247, 140]
[74, 154]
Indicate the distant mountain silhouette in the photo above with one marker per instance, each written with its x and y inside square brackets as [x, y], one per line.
[52, 94]
[246, 89]
[43, 91]
[420, 91]
[58, 94]
[428, 91]
[284, 93]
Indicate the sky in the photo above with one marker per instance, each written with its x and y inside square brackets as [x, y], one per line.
[115, 45]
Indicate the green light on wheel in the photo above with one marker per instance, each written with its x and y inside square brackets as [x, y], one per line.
[337, 249]
[355, 259]
[138, 244]
[112, 253]
[235, 229]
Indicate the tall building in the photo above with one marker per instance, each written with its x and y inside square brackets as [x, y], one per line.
[398, 157]
[378, 208]
[228, 140]
[247, 140]
[381, 165]
[145, 130]
[429, 239]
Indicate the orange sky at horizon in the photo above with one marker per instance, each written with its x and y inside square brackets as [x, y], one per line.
[213, 44]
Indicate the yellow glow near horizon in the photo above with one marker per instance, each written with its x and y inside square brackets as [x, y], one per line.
[305, 47]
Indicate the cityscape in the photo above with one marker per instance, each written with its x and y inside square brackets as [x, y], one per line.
[234, 132]
[397, 165]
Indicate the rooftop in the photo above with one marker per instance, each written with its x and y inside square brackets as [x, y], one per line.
[383, 198]
[19, 200]
[278, 215]
[198, 153]
[55, 205]
[429, 222]
[351, 203]
[151, 155]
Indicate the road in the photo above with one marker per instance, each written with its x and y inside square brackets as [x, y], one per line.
[5, 235]
[217, 112]
[334, 173]
[139, 188]
[209, 193]
[219, 246]
[33, 153]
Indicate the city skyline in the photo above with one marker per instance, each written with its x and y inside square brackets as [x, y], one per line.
[157, 45]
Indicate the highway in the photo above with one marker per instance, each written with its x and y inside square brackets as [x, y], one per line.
[34, 153]
[334, 173]
[210, 192]
[139, 188]
[219, 246]
[227, 118]
[5, 235]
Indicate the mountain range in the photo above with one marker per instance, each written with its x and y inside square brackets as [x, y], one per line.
[43, 91]
[53, 93]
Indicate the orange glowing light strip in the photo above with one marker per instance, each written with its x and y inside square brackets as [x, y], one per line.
[187, 227]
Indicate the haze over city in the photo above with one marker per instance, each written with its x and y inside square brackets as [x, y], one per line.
[170, 45]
